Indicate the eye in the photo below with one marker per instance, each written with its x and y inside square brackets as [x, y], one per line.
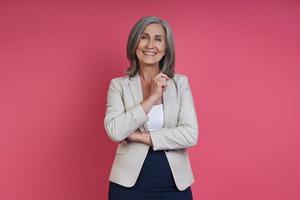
[144, 37]
[158, 39]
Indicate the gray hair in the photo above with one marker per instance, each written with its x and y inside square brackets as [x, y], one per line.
[167, 63]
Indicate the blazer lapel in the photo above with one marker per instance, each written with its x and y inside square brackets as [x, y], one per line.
[167, 103]
[137, 93]
[136, 89]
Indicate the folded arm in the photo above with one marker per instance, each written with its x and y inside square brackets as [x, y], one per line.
[186, 133]
[118, 122]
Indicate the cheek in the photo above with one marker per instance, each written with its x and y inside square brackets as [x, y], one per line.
[163, 51]
[139, 48]
[142, 43]
[162, 47]
[138, 52]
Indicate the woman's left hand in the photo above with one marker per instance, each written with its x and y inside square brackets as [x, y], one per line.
[137, 136]
[134, 137]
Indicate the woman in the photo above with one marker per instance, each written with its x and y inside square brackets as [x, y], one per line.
[150, 112]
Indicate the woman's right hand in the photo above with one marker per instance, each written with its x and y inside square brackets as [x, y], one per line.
[158, 85]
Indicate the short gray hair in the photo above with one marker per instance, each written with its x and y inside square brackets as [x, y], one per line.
[167, 63]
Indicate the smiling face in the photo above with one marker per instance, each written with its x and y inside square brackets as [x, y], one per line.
[152, 45]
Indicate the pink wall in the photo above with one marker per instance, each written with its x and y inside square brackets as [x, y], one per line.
[56, 60]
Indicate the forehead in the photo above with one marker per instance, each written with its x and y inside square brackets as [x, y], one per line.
[154, 29]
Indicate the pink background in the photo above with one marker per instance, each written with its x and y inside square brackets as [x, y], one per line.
[56, 61]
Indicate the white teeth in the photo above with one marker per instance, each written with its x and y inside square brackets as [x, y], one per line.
[149, 53]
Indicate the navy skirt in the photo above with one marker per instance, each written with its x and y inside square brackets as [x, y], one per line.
[155, 181]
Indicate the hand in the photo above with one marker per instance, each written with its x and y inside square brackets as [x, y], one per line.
[134, 137]
[125, 141]
[158, 85]
[137, 136]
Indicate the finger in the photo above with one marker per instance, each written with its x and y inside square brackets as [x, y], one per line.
[124, 142]
[161, 80]
[162, 83]
[164, 88]
[161, 75]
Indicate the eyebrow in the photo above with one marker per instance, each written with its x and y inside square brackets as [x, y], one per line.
[155, 35]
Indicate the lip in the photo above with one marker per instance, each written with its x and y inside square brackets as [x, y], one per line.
[150, 53]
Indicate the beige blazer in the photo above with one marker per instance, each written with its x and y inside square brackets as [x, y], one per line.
[124, 114]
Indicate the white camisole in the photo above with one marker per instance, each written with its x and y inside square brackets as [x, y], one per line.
[155, 117]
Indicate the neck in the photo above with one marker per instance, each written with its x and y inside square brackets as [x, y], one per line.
[147, 73]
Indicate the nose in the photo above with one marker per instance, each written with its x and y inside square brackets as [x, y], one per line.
[150, 44]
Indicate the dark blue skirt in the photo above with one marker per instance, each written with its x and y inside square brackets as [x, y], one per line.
[155, 181]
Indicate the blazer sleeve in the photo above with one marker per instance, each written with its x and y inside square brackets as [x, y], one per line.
[118, 122]
[186, 133]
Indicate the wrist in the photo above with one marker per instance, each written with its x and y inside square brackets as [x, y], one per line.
[146, 138]
[153, 98]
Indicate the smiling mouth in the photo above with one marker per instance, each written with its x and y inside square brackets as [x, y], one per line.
[150, 53]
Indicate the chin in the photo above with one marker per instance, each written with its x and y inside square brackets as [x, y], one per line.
[150, 63]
